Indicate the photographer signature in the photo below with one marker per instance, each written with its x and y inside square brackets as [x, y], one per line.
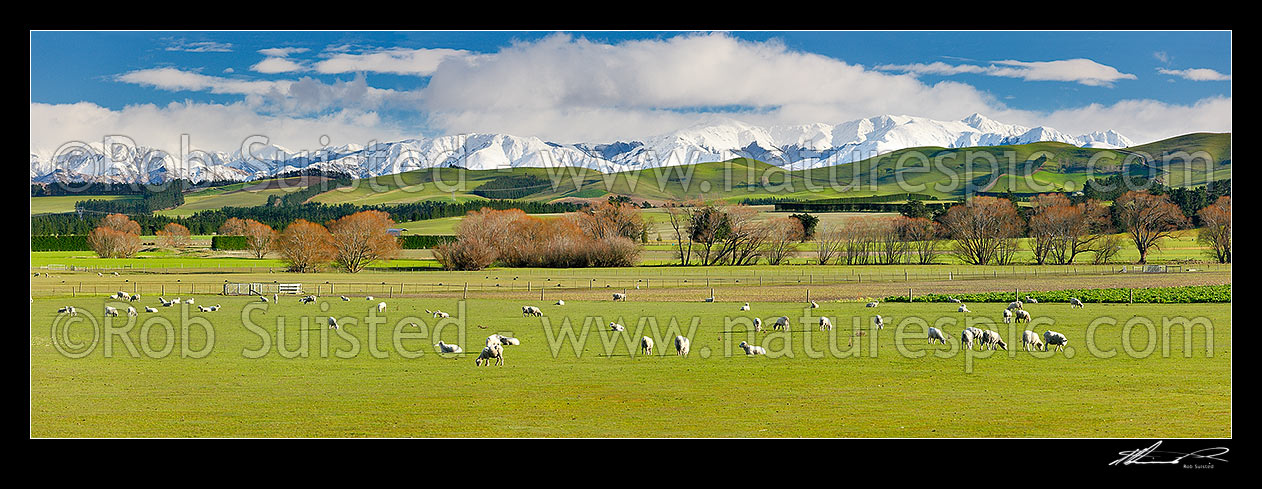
[1151, 455]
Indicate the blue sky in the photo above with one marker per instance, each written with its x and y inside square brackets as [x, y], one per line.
[611, 85]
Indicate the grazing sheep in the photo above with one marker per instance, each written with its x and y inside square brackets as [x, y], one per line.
[618, 296]
[369, 298]
[110, 311]
[445, 348]
[189, 301]
[332, 323]
[1031, 300]
[120, 295]
[509, 341]
[757, 324]
[878, 322]
[307, 300]
[68, 310]
[1022, 314]
[990, 338]
[952, 299]
[134, 298]
[346, 299]
[1030, 341]
[214, 308]
[560, 302]
[825, 324]
[963, 308]
[681, 346]
[531, 311]
[968, 335]
[814, 305]
[495, 339]
[709, 299]
[381, 307]
[203, 309]
[936, 334]
[150, 309]
[646, 345]
[616, 327]
[752, 349]
[175, 300]
[1015, 305]
[1053, 338]
[491, 352]
[1074, 302]
[745, 307]
[782, 323]
[1007, 315]
[165, 303]
[131, 311]
[873, 304]
[437, 314]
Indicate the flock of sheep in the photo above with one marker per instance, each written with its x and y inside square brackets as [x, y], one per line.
[131, 310]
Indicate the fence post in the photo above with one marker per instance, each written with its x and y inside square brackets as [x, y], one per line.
[465, 295]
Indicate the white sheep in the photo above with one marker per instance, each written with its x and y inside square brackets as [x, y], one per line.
[752, 349]
[150, 309]
[1030, 341]
[189, 301]
[1031, 300]
[745, 307]
[203, 309]
[878, 322]
[560, 302]
[307, 300]
[131, 311]
[1022, 314]
[814, 305]
[963, 308]
[491, 352]
[968, 335]
[381, 307]
[345, 299]
[437, 314]
[873, 304]
[445, 348]
[952, 299]
[120, 295]
[509, 341]
[369, 298]
[990, 338]
[757, 324]
[681, 346]
[214, 308]
[1015, 305]
[332, 323]
[1007, 315]
[175, 300]
[618, 296]
[110, 311]
[646, 345]
[782, 323]
[1074, 302]
[134, 298]
[936, 334]
[1053, 338]
[616, 327]
[825, 324]
[68, 310]
[531, 311]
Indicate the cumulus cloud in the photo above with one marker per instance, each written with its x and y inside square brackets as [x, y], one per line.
[400, 61]
[1143, 121]
[1196, 74]
[294, 97]
[277, 65]
[1081, 70]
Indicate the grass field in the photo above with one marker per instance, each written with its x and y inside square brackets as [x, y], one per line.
[65, 203]
[558, 385]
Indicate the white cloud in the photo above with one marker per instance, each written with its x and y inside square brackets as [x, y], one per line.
[281, 52]
[294, 97]
[277, 65]
[1084, 71]
[197, 46]
[401, 61]
[1162, 56]
[229, 70]
[210, 127]
[1143, 121]
[174, 79]
[1196, 74]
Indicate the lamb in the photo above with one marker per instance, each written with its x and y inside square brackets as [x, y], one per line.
[1022, 314]
[531, 311]
[175, 300]
[445, 348]
[165, 303]
[963, 308]
[560, 302]
[782, 323]
[491, 352]
[1053, 338]
[752, 349]
[110, 311]
[189, 301]
[681, 346]
[1007, 316]
[131, 311]
[203, 309]
[616, 327]
[873, 304]
[437, 314]
[150, 309]
[1074, 302]
[618, 296]
[68, 310]
[990, 338]
[757, 324]
[381, 307]
[814, 305]
[936, 334]
[745, 307]
[1031, 300]
[332, 323]
[878, 322]
[120, 295]
[307, 300]
[214, 308]
[952, 299]
[1030, 341]
[134, 298]
[646, 345]
[1015, 305]
[509, 341]
[825, 324]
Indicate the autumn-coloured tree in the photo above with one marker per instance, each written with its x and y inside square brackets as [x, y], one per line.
[1216, 229]
[1147, 218]
[515, 239]
[116, 236]
[259, 238]
[174, 236]
[984, 229]
[609, 219]
[234, 226]
[306, 246]
[923, 237]
[362, 238]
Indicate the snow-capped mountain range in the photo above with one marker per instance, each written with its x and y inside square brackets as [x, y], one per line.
[716, 139]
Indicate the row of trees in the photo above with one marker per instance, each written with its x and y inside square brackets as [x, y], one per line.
[602, 235]
[723, 234]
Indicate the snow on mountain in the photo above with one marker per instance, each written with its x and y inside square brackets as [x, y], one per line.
[713, 139]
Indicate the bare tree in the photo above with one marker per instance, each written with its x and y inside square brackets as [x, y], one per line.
[923, 236]
[984, 229]
[1216, 229]
[829, 241]
[784, 235]
[680, 215]
[174, 236]
[1147, 218]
